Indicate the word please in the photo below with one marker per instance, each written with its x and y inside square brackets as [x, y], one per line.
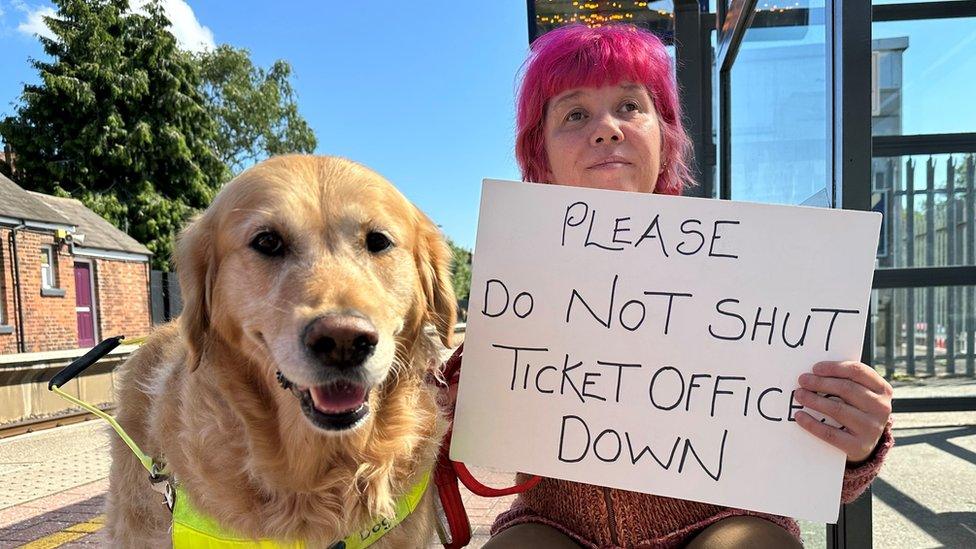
[619, 233]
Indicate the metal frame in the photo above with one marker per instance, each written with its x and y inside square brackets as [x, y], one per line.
[923, 277]
[693, 56]
[731, 25]
[734, 24]
[848, 36]
[940, 404]
[924, 10]
[530, 12]
[939, 143]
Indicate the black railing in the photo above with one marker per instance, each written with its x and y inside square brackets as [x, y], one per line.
[164, 296]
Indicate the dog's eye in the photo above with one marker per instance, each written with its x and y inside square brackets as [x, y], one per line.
[269, 243]
[377, 242]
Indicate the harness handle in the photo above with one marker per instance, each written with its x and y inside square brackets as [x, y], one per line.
[82, 363]
[156, 472]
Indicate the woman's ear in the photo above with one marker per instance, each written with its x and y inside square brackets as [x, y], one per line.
[195, 267]
[433, 259]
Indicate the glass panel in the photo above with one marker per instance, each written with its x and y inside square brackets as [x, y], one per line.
[928, 207]
[656, 16]
[924, 343]
[922, 76]
[778, 117]
[925, 332]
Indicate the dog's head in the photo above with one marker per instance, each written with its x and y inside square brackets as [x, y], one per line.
[320, 271]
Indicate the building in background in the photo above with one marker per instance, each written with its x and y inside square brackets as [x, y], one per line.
[67, 277]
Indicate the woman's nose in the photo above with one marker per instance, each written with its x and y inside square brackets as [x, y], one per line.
[606, 130]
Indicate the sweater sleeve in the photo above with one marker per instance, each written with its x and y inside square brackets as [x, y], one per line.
[858, 477]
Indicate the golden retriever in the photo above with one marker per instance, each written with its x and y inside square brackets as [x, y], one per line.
[315, 270]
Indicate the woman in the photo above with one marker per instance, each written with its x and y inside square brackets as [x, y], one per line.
[599, 108]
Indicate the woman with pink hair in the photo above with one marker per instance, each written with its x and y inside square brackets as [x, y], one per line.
[598, 107]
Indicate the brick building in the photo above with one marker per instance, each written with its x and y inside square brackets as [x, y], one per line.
[68, 278]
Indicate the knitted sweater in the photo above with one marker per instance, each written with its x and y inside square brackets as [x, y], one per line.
[605, 518]
[599, 517]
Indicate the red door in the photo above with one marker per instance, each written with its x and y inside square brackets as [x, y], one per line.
[84, 305]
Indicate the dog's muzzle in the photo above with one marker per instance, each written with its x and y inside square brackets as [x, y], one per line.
[336, 406]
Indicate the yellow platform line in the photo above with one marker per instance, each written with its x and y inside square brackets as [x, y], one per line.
[67, 535]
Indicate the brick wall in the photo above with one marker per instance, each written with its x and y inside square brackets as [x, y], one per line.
[50, 323]
[123, 298]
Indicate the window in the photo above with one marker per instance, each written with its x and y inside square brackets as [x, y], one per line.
[48, 279]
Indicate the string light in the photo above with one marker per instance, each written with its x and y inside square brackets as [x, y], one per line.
[596, 13]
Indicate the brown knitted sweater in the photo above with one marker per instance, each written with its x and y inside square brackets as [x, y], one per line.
[599, 517]
[605, 518]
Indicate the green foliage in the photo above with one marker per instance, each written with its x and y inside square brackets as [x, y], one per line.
[255, 109]
[140, 131]
[460, 270]
[117, 121]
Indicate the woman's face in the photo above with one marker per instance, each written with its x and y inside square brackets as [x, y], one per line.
[607, 138]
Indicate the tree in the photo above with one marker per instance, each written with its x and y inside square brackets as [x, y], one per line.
[460, 270]
[255, 110]
[118, 121]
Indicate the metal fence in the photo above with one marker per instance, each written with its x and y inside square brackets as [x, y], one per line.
[164, 296]
[929, 222]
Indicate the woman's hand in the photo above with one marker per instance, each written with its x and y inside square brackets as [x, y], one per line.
[862, 407]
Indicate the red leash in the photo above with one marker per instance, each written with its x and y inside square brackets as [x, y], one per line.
[447, 473]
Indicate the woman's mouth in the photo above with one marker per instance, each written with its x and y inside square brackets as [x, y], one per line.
[612, 163]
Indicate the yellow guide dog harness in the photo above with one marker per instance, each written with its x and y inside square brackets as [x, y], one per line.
[192, 529]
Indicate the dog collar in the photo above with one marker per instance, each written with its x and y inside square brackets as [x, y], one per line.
[192, 529]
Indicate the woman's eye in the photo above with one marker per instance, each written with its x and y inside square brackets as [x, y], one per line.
[574, 116]
[376, 242]
[269, 243]
[630, 106]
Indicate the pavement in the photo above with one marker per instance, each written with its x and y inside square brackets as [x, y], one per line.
[54, 485]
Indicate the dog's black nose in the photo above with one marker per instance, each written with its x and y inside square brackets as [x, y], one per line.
[340, 341]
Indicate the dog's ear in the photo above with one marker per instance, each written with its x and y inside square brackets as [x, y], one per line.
[195, 268]
[433, 257]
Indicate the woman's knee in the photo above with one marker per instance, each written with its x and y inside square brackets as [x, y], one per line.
[744, 531]
[532, 535]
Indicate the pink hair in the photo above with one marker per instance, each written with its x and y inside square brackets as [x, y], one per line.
[578, 56]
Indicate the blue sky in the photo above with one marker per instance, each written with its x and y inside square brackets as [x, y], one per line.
[423, 92]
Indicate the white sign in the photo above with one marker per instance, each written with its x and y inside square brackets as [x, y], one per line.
[653, 343]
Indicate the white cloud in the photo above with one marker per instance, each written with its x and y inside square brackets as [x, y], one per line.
[189, 33]
[34, 24]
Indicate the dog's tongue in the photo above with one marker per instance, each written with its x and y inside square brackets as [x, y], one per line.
[338, 397]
